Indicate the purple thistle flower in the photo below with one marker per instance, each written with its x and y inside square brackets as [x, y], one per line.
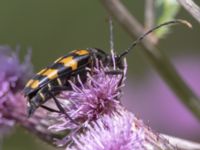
[105, 124]
[119, 131]
[12, 79]
[13, 105]
[12, 71]
[90, 100]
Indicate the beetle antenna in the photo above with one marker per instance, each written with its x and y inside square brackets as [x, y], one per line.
[138, 40]
[111, 34]
[112, 42]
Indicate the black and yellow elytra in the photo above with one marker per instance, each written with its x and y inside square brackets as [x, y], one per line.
[57, 75]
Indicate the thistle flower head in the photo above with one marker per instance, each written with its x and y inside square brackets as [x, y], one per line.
[90, 100]
[107, 133]
[104, 122]
[13, 74]
[13, 108]
[119, 131]
[12, 79]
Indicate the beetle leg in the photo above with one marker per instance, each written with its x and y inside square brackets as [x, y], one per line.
[114, 72]
[60, 88]
[49, 109]
[62, 110]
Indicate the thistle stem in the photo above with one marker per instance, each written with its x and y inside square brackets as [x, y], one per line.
[160, 62]
[149, 14]
[35, 127]
[191, 7]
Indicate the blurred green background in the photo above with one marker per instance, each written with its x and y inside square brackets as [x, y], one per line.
[53, 28]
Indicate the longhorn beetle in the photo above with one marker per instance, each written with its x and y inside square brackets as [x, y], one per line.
[51, 80]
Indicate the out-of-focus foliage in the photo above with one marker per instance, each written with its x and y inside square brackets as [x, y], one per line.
[165, 10]
[22, 140]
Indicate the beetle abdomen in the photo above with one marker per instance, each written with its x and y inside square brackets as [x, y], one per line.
[63, 67]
